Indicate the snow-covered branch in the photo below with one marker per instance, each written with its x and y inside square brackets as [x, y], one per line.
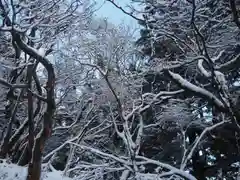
[206, 130]
[167, 166]
[197, 90]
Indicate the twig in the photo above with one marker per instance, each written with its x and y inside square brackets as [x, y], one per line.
[198, 141]
[12, 86]
[167, 166]
[124, 11]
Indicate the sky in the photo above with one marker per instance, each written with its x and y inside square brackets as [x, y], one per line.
[113, 14]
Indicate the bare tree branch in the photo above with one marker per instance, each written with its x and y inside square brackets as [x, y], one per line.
[12, 86]
[124, 11]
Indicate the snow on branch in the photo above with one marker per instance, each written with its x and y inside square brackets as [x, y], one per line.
[155, 98]
[79, 136]
[100, 153]
[189, 156]
[197, 90]
[202, 69]
[34, 53]
[231, 64]
[167, 166]
[143, 160]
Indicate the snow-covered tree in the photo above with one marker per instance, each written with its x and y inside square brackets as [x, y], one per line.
[85, 97]
[195, 45]
[30, 30]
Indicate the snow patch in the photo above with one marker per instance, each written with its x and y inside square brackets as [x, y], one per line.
[56, 175]
[12, 172]
[15, 172]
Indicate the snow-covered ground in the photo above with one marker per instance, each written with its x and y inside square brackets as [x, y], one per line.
[15, 172]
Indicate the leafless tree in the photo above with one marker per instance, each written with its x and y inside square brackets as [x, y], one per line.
[31, 29]
[196, 50]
